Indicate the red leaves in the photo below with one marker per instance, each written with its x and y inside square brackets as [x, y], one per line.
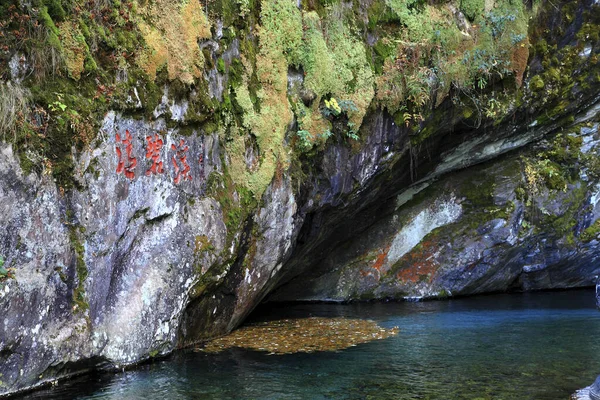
[104, 92]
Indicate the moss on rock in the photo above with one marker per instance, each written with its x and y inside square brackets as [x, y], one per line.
[172, 29]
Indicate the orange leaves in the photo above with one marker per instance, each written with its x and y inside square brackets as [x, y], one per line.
[304, 335]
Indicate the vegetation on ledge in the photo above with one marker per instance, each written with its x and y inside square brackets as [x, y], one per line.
[294, 78]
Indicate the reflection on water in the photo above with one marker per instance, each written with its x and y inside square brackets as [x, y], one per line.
[530, 346]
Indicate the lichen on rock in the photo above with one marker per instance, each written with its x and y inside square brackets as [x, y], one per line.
[172, 29]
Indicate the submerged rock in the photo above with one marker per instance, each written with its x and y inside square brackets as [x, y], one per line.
[305, 335]
[589, 393]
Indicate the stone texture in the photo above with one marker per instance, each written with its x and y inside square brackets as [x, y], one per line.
[591, 392]
[127, 266]
[463, 234]
[139, 244]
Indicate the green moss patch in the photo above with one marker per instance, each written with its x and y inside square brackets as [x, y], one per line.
[80, 303]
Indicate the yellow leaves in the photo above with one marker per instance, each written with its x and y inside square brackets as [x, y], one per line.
[409, 118]
[305, 335]
[332, 104]
[532, 177]
[156, 55]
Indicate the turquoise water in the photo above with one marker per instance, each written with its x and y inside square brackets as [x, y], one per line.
[517, 346]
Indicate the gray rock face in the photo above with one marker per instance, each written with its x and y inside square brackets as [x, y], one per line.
[138, 260]
[471, 232]
[104, 273]
[597, 294]
[264, 246]
[595, 390]
[589, 393]
[37, 320]
[116, 271]
[141, 258]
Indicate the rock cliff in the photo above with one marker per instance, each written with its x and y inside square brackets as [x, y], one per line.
[167, 165]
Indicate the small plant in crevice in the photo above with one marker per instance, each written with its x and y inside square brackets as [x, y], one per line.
[327, 134]
[341, 111]
[334, 109]
[330, 117]
[304, 140]
[57, 106]
[498, 22]
[352, 132]
[5, 273]
[348, 106]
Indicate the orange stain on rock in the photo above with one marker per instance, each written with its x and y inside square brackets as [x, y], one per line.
[375, 269]
[381, 258]
[421, 263]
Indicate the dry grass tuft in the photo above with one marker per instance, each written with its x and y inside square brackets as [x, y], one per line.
[14, 103]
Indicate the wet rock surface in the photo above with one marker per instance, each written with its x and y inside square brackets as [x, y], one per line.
[589, 393]
[139, 259]
[104, 265]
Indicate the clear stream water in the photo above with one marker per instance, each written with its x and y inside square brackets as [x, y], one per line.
[509, 346]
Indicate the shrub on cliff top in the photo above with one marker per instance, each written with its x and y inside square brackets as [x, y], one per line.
[436, 52]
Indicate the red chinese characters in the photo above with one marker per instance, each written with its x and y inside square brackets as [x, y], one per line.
[178, 152]
[127, 162]
[179, 160]
[154, 145]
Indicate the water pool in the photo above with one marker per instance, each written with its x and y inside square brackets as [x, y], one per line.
[507, 346]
